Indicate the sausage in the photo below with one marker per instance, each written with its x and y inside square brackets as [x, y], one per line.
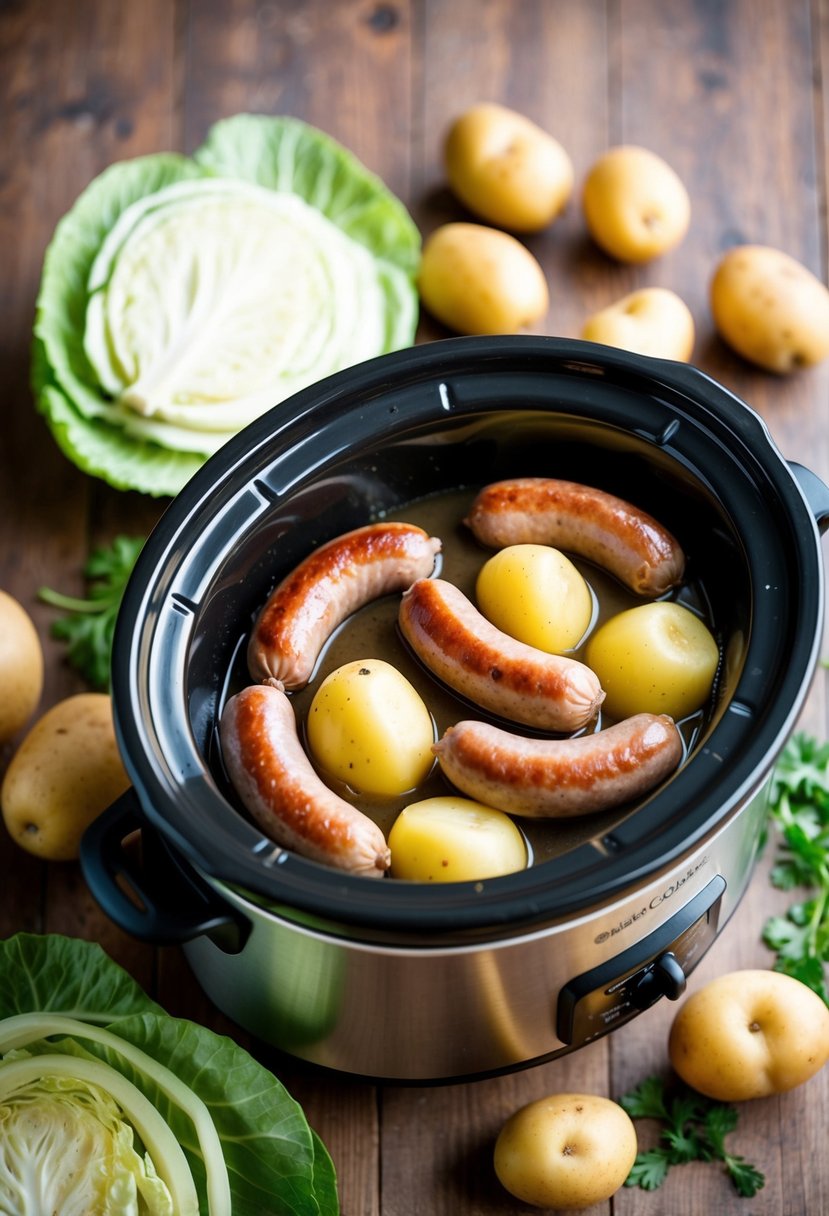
[277, 784]
[331, 583]
[606, 530]
[506, 677]
[558, 778]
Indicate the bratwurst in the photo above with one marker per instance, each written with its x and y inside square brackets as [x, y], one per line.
[559, 778]
[328, 586]
[277, 784]
[606, 530]
[496, 672]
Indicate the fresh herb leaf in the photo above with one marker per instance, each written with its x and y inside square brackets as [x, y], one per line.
[799, 816]
[746, 1178]
[647, 1101]
[649, 1170]
[89, 624]
[693, 1128]
[718, 1121]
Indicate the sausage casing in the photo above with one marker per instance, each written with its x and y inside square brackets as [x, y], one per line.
[605, 529]
[499, 674]
[279, 787]
[559, 778]
[328, 586]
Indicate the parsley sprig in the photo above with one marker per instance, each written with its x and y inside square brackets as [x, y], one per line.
[799, 810]
[693, 1129]
[89, 624]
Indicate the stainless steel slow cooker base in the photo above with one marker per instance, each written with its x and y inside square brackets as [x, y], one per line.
[466, 1011]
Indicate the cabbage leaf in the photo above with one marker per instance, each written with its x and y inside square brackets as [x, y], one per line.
[275, 1162]
[180, 298]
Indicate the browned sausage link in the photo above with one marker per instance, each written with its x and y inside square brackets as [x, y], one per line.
[331, 583]
[604, 529]
[557, 778]
[277, 784]
[508, 678]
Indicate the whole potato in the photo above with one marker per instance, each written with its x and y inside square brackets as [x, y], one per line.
[566, 1151]
[651, 321]
[506, 169]
[477, 280]
[635, 205]
[749, 1034]
[535, 594]
[770, 308]
[368, 727]
[453, 839]
[656, 658]
[65, 772]
[21, 667]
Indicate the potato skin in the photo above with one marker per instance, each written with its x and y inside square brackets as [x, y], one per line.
[770, 308]
[652, 321]
[506, 169]
[454, 839]
[21, 667]
[64, 773]
[369, 728]
[478, 280]
[635, 205]
[657, 658]
[749, 1034]
[535, 594]
[566, 1151]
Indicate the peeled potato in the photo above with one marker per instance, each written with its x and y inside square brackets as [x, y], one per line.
[368, 727]
[635, 205]
[454, 839]
[651, 321]
[506, 169]
[478, 280]
[65, 772]
[656, 658]
[535, 594]
[21, 667]
[770, 308]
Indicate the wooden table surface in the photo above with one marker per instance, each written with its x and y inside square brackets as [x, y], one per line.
[731, 93]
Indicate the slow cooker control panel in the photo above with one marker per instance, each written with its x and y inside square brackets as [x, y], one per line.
[614, 992]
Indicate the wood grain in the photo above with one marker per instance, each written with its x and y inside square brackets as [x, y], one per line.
[733, 95]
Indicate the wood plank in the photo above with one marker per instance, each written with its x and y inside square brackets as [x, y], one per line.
[73, 102]
[99, 106]
[330, 65]
[741, 73]
[548, 61]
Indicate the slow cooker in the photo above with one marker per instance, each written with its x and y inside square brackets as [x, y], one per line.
[413, 981]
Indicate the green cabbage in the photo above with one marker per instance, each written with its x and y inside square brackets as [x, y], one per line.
[69, 1014]
[65, 1147]
[182, 298]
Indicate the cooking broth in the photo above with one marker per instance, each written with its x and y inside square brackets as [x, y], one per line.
[372, 633]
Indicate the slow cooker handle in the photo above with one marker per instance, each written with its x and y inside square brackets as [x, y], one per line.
[121, 852]
[816, 491]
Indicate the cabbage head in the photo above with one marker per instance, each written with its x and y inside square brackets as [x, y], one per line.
[66, 1148]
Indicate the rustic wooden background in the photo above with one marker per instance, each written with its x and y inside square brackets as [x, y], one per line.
[732, 92]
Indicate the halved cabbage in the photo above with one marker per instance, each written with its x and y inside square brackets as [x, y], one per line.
[182, 298]
[66, 1146]
[213, 300]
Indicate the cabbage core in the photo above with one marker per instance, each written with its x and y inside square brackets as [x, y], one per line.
[66, 1148]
